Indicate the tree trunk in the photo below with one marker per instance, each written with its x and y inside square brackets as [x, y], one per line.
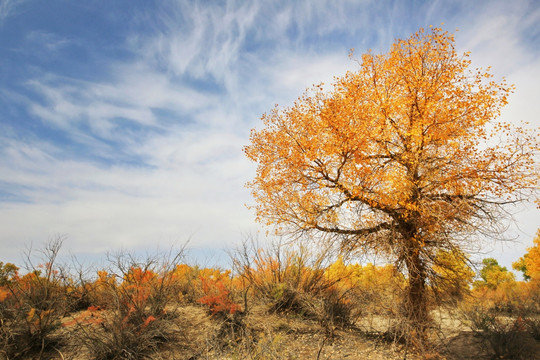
[415, 301]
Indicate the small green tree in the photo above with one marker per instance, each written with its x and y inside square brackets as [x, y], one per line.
[493, 275]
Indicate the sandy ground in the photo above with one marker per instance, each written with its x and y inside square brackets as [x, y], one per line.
[269, 336]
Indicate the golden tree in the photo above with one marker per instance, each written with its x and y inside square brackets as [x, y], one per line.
[529, 263]
[402, 157]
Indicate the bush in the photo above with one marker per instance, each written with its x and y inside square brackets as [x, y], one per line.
[280, 276]
[506, 337]
[295, 280]
[374, 290]
[134, 295]
[533, 325]
[217, 294]
[187, 283]
[32, 305]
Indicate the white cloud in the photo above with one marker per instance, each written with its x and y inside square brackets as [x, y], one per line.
[131, 94]
[199, 40]
[106, 207]
[497, 34]
[50, 42]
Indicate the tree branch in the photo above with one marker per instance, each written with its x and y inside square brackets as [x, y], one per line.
[357, 232]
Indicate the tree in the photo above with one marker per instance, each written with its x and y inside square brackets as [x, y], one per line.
[529, 263]
[8, 273]
[493, 275]
[401, 157]
[497, 289]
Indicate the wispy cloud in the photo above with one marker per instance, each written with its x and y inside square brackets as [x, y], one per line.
[131, 94]
[500, 35]
[199, 40]
[50, 42]
[7, 7]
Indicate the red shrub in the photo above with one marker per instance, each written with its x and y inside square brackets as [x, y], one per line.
[217, 296]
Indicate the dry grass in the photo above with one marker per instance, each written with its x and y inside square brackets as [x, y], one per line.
[265, 336]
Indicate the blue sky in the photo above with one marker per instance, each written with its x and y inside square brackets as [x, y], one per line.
[123, 122]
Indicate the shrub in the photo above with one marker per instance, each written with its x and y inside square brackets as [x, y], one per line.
[506, 337]
[281, 276]
[533, 325]
[217, 295]
[187, 284]
[295, 280]
[80, 290]
[134, 295]
[31, 305]
[451, 277]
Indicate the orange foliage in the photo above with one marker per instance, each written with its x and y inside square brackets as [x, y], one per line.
[373, 288]
[136, 275]
[4, 293]
[530, 262]
[216, 289]
[103, 288]
[148, 320]
[280, 276]
[402, 157]
[136, 288]
[182, 272]
[400, 140]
